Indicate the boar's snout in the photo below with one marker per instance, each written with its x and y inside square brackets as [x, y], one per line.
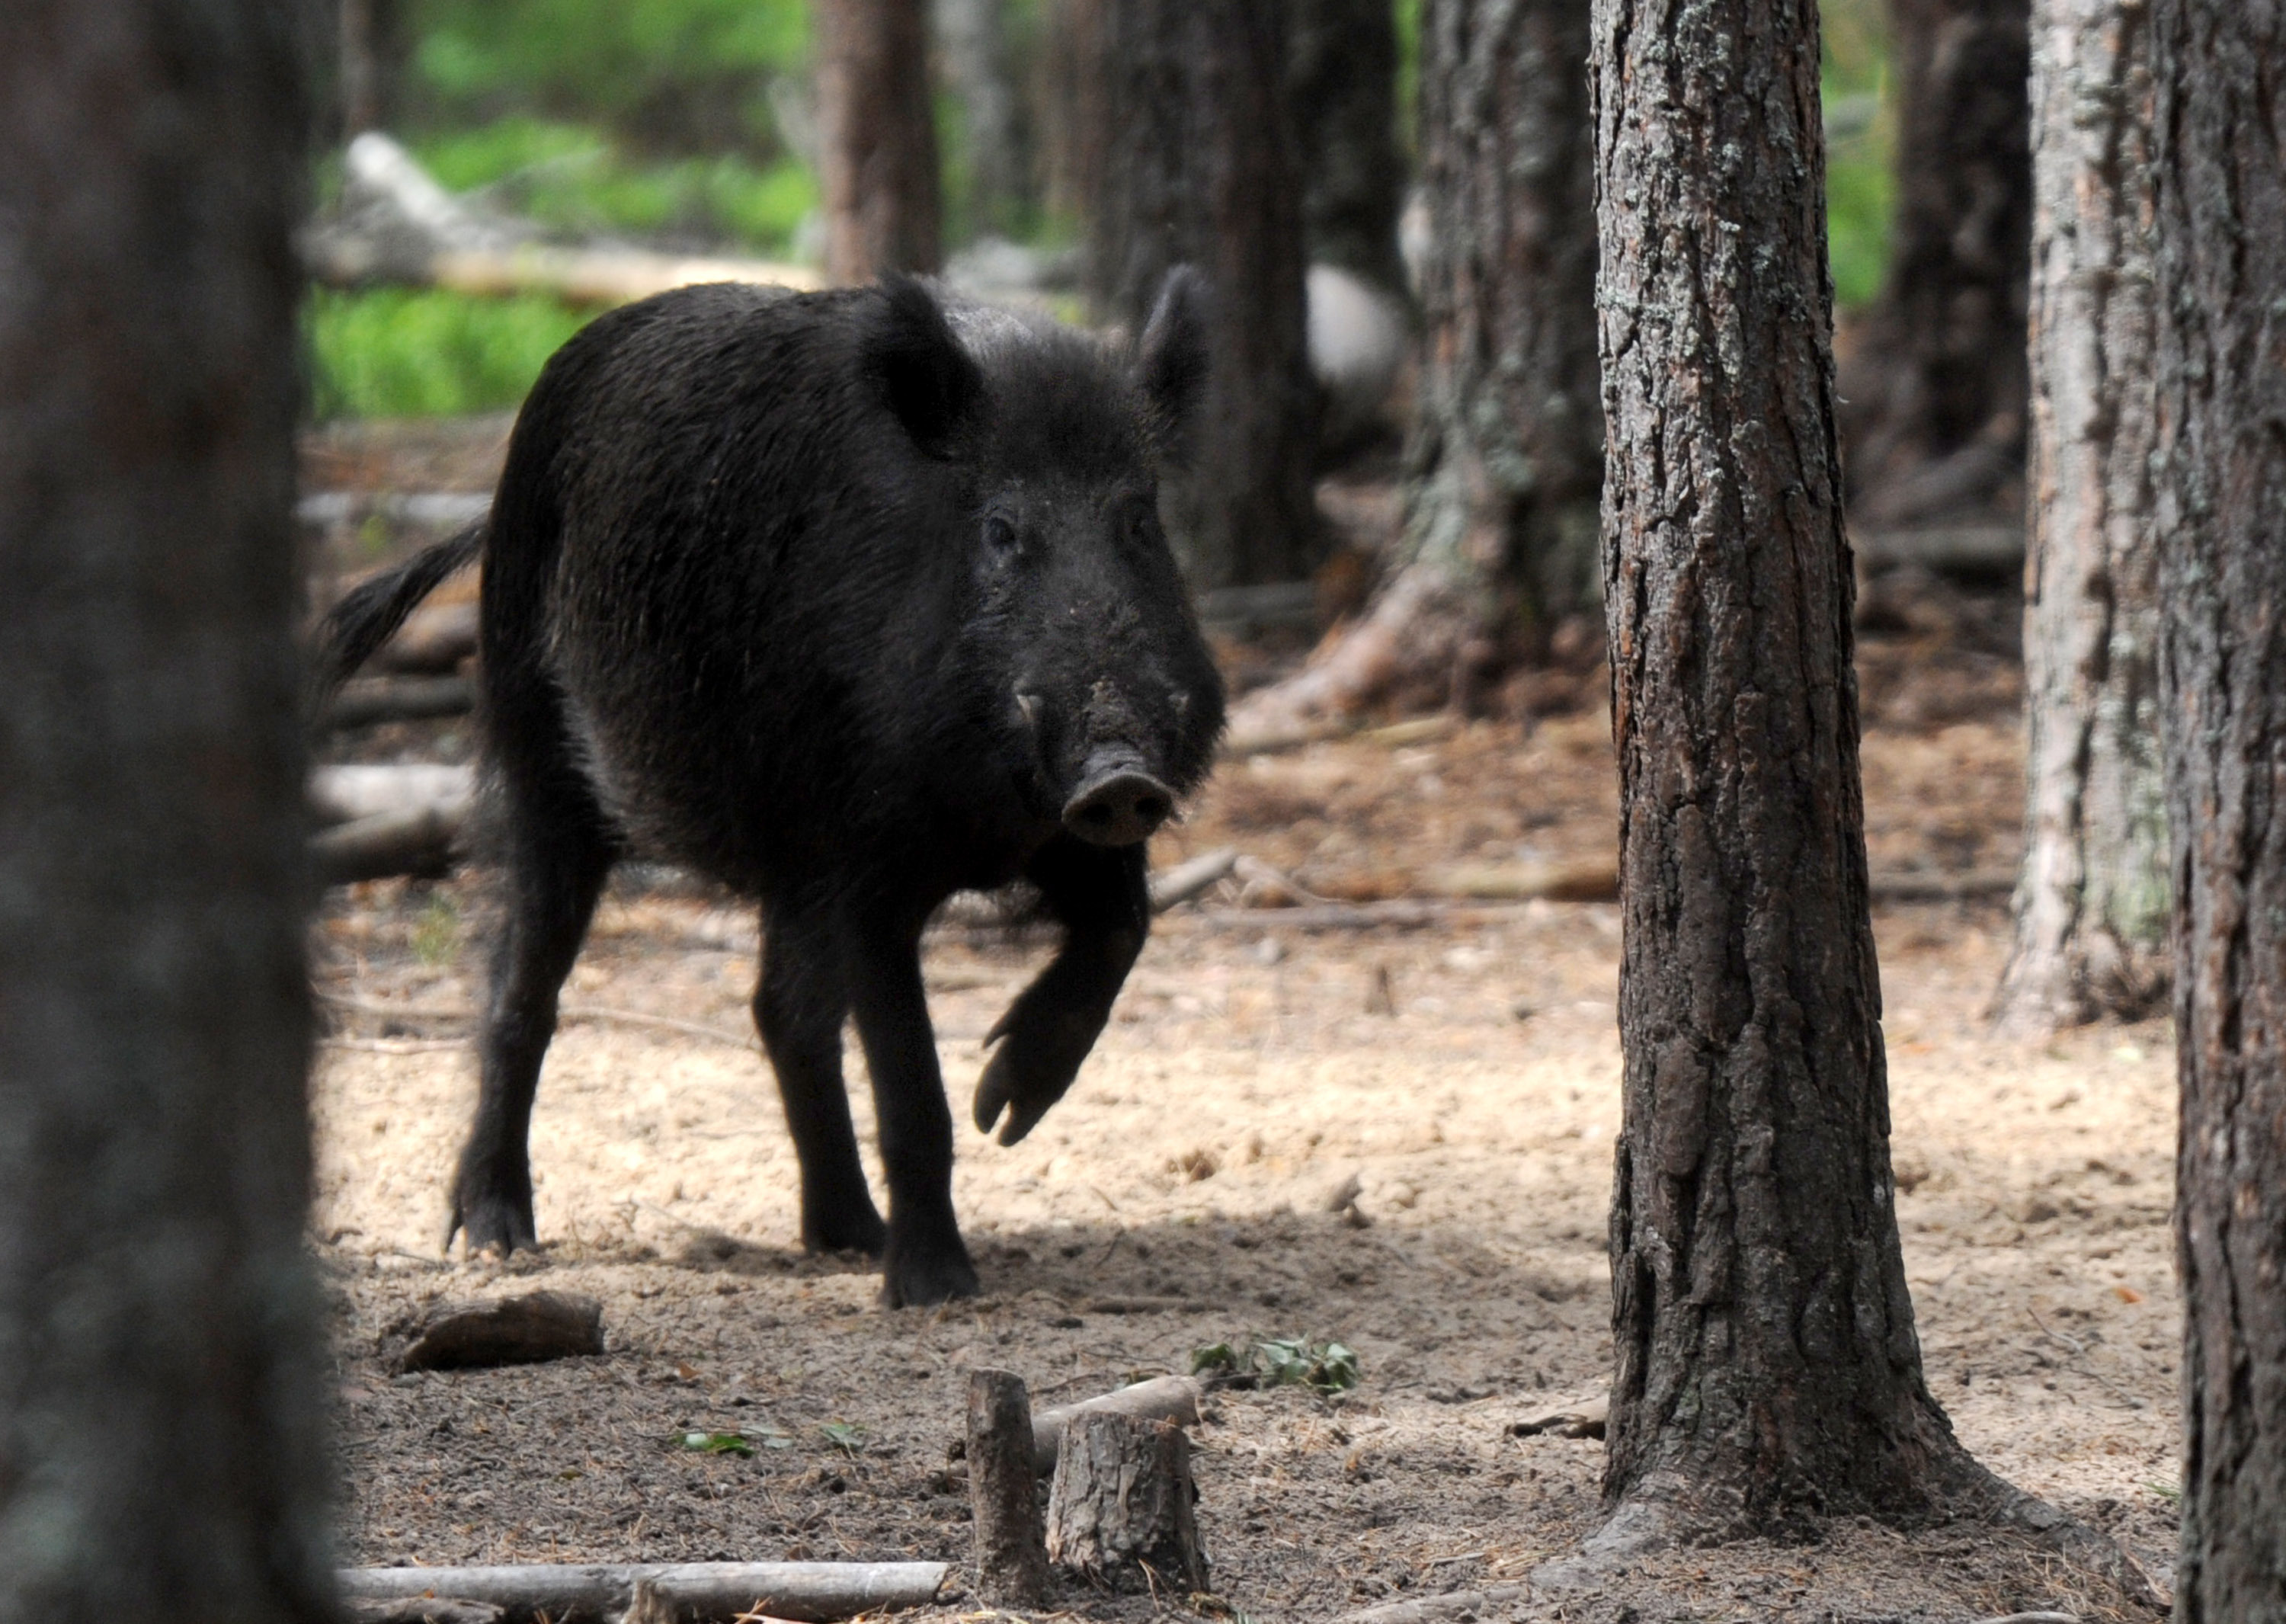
[1117, 803]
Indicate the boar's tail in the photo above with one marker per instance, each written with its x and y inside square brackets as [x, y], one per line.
[361, 622]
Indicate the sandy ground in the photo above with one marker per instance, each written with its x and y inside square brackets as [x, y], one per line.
[1467, 1074]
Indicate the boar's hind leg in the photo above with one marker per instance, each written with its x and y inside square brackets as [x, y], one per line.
[558, 856]
[926, 1261]
[798, 1009]
[1102, 897]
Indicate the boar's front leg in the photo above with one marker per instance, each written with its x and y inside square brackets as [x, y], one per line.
[798, 1009]
[926, 1261]
[1103, 898]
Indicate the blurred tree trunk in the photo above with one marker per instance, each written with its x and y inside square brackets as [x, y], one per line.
[1936, 385]
[2221, 231]
[1198, 165]
[1768, 1369]
[1500, 539]
[980, 68]
[1069, 83]
[2091, 904]
[161, 1369]
[371, 58]
[877, 139]
[1342, 63]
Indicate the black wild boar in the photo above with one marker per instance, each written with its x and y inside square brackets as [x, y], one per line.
[850, 600]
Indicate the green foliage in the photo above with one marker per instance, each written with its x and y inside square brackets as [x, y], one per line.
[1324, 1368]
[717, 1443]
[1860, 186]
[436, 933]
[422, 353]
[847, 1436]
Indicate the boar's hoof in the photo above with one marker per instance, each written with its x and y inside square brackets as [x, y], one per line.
[493, 1223]
[1120, 807]
[923, 1281]
[846, 1232]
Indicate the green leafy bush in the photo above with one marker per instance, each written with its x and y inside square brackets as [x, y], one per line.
[423, 352]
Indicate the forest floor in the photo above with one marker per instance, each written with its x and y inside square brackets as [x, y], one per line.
[1464, 1072]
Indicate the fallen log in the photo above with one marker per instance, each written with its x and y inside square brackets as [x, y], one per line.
[433, 641]
[528, 1329]
[424, 1609]
[1186, 881]
[418, 841]
[1012, 1563]
[344, 794]
[368, 700]
[704, 1592]
[1165, 1398]
[1453, 1604]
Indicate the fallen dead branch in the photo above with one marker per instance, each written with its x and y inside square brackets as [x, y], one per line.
[1166, 1398]
[368, 700]
[708, 1592]
[601, 1014]
[416, 840]
[528, 1329]
[1186, 880]
[1428, 1609]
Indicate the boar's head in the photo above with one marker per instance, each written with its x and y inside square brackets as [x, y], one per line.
[1076, 645]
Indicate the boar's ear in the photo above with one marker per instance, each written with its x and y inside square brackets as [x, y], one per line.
[1170, 361]
[927, 381]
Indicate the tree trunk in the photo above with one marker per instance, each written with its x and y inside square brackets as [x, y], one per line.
[877, 139]
[1766, 1359]
[995, 167]
[161, 1371]
[2092, 905]
[369, 60]
[2222, 586]
[1341, 77]
[1070, 82]
[1936, 386]
[1199, 166]
[1501, 519]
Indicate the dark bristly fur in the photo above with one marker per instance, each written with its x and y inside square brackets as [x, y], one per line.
[850, 600]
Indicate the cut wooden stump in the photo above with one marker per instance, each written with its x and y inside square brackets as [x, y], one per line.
[1012, 1563]
[515, 1331]
[1120, 1508]
[691, 1592]
[1164, 1397]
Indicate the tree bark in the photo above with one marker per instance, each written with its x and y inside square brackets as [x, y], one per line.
[160, 1368]
[1342, 79]
[1767, 1364]
[1936, 386]
[2092, 905]
[1199, 165]
[369, 60]
[1121, 1501]
[877, 139]
[1506, 456]
[2222, 588]
[1012, 1561]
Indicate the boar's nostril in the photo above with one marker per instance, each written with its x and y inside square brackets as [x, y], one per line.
[1118, 808]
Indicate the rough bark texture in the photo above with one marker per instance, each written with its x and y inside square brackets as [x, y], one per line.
[2222, 398]
[1120, 1503]
[160, 1365]
[1199, 166]
[1766, 1359]
[1500, 539]
[877, 139]
[1012, 1563]
[1342, 68]
[2092, 905]
[1936, 387]
[996, 163]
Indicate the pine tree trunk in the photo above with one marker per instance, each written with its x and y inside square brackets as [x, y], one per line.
[877, 139]
[1199, 166]
[161, 1369]
[1070, 82]
[1767, 1361]
[2091, 904]
[1342, 69]
[1500, 540]
[2222, 587]
[1936, 388]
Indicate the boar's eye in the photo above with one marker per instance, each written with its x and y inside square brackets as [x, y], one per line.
[999, 535]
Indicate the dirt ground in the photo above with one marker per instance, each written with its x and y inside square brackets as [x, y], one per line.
[1465, 1073]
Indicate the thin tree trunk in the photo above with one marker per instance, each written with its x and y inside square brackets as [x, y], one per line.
[1199, 166]
[1936, 387]
[1767, 1362]
[160, 1372]
[1342, 68]
[2222, 261]
[2092, 905]
[877, 139]
[1500, 539]
[367, 64]
[978, 66]
[1070, 80]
